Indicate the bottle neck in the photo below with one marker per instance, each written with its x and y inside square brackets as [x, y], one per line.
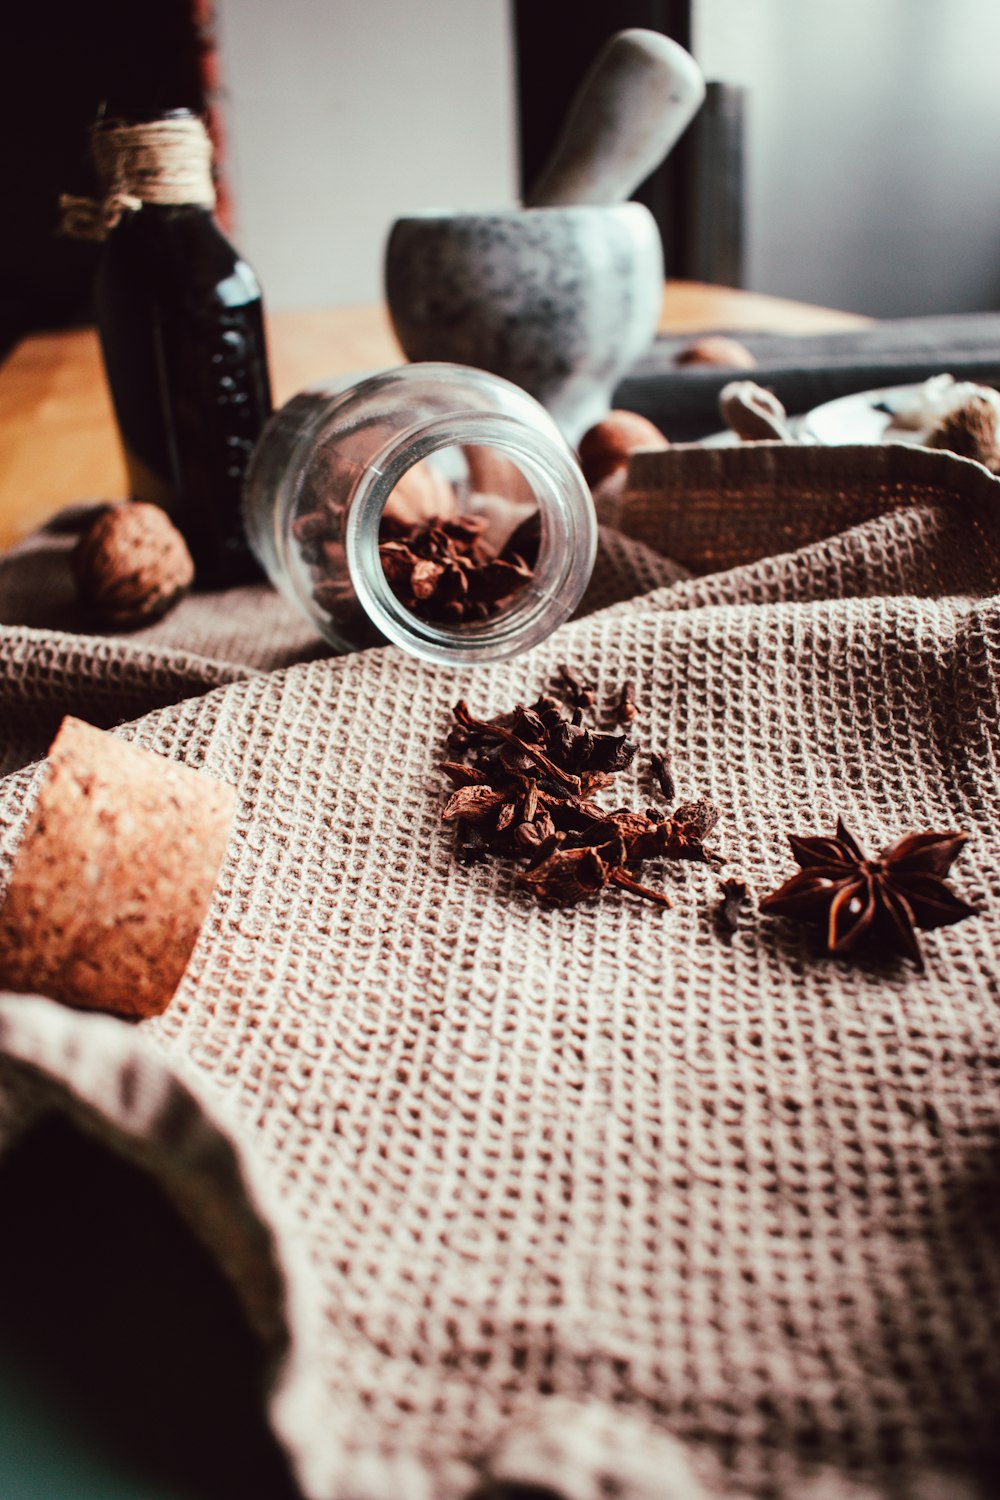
[163, 162]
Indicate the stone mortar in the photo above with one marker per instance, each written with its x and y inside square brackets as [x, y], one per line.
[562, 301]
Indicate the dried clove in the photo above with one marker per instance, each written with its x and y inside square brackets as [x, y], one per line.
[662, 776]
[579, 693]
[626, 708]
[525, 790]
[733, 898]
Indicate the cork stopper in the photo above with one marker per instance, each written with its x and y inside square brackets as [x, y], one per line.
[114, 876]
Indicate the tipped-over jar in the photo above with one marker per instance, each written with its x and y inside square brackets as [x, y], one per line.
[435, 506]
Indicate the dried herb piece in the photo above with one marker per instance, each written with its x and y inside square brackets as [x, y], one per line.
[475, 804]
[443, 571]
[581, 694]
[874, 902]
[584, 749]
[626, 881]
[568, 875]
[664, 780]
[692, 823]
[493, 729]
[727, 915]
[526, 792]
[626, 708]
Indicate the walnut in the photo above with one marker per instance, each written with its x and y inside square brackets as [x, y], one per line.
[131, 564]
[608, 445]
[970, 430]
[716, 350]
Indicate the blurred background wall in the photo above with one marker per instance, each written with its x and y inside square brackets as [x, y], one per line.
[341, 116]
[850, 162]
[869, 132]
[868, 135]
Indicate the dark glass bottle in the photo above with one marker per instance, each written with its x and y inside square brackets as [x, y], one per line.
[181, 325]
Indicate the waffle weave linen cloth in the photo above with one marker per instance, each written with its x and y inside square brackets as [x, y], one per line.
[579, 1202]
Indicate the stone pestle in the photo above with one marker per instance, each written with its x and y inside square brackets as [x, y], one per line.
[638, 97]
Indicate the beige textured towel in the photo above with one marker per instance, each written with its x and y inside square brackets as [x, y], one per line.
[574, 1198]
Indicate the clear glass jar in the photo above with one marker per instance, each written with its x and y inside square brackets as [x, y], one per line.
[487, 456]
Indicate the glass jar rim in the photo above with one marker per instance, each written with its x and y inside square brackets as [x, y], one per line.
[568, 546]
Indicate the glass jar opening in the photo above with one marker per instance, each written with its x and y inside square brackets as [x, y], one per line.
[437, 507]
[468, 549]
[459, 536]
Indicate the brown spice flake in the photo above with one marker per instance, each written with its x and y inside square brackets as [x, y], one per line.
[526, 792]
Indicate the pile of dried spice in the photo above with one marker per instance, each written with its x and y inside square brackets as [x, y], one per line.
[524, 790]
[443, 570]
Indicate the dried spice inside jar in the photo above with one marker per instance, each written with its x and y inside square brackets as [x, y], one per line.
[452, 471]
[444, 570]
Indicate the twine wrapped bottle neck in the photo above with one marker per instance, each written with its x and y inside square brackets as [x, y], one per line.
[162, 162]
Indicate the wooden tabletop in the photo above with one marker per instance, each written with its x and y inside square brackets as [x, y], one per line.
[58, 442]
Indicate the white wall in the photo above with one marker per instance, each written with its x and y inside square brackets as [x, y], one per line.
[873, 132]
[343, 114]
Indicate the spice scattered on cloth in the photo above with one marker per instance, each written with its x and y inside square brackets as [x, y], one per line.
[526, 792]
[517, 1192]
[876, 904]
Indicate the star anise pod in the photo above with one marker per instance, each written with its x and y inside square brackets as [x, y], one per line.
[878, 902]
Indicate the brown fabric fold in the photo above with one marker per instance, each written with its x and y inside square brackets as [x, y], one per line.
[583, 1199]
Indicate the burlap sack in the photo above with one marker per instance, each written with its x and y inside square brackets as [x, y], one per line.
[575, 1199]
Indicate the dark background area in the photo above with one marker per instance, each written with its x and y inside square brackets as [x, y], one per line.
[126, 1365]
[889, 105]
[549, 75]
[61, 62]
